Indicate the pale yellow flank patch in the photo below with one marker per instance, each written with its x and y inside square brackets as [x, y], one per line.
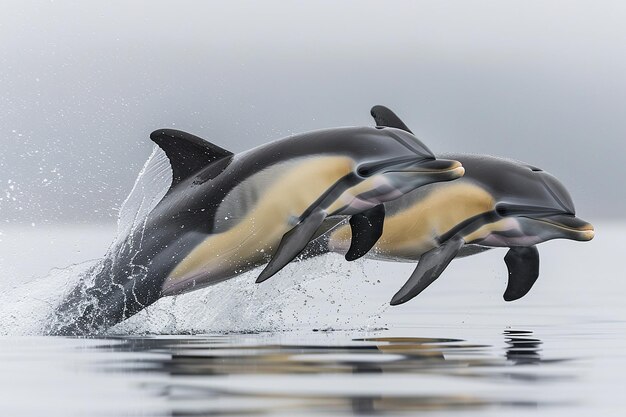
[489, 228]
[413, 231]
[348, 196]
[223, 255]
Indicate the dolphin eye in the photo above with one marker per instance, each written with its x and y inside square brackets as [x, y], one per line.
[503, 210]
[364, 171]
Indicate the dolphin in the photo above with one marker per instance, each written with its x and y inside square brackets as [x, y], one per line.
[497, 203]
[225, 214]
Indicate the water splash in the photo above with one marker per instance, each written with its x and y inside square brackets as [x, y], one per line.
[323, 293]
[320, 293]
[25, 308]
[151, 185]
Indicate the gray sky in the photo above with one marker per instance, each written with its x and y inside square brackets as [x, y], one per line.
[82, 85]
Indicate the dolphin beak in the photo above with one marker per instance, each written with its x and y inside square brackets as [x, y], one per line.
[574, 227]
[438, 169]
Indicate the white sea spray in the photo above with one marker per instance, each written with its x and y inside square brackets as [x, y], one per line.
[324, 293]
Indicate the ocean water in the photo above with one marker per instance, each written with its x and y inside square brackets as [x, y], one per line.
[320, 339]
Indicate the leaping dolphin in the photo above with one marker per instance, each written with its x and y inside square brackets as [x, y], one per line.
[497, 203]
[225, 214]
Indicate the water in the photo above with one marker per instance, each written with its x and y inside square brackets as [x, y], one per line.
[319, 339]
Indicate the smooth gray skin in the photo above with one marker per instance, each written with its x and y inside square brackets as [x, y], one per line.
[536, 202]
[208, 187]
[430, 266]
[292, 244]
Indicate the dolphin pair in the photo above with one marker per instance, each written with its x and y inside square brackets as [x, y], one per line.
[497, 203]
[225, 214]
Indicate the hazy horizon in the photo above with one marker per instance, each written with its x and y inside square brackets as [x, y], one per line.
[84, 84]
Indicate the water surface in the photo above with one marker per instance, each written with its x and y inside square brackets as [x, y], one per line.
[321, 340]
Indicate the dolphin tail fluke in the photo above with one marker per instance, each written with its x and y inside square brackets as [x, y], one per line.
[523, 266]
[367, 228]
[429, 267]
[292, 243]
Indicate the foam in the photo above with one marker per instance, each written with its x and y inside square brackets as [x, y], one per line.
[25, 308]
[321, 293]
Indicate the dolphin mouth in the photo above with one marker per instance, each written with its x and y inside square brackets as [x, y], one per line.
[576, 228]
[413, 165]
[434, 167]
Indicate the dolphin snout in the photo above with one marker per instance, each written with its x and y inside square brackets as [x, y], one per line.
[587, 232]
[429, 166]
[447, 167]
[436, 165]
[577, 228]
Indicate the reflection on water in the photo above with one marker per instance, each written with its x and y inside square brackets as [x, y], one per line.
[253, 374]
[560, 351]
[523, 349]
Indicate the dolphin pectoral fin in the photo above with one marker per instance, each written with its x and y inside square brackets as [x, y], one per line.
[428, 269]
[188, 154]
[292, 243]
[523, 266]
[367, 227]
[385, 117]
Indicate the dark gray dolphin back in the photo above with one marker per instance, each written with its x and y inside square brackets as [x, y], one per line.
[515, 185]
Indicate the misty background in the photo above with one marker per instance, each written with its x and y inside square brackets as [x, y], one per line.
[82, 85]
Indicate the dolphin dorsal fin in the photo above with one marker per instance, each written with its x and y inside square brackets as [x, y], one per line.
[385, 117]
[188, 154]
